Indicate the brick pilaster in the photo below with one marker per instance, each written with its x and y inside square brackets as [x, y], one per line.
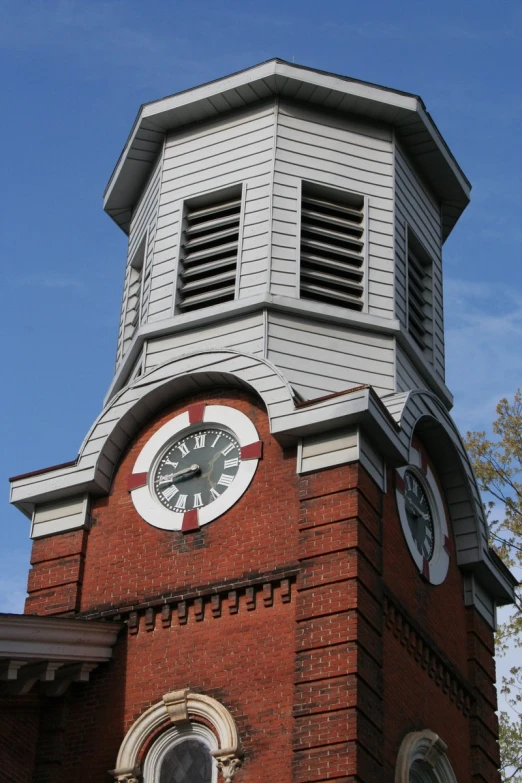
[485, 757]
[56, 575]
[338, 679]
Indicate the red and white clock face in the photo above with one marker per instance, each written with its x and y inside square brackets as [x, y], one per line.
[422, 513]
[195, 467]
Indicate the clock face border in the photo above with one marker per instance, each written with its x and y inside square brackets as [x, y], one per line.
[142, 476]
[435, 569]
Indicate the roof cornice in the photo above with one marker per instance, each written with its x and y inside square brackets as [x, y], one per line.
[404, 111]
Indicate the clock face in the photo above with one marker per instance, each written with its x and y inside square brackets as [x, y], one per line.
[422, 514]
[196, 469]
[419, 515]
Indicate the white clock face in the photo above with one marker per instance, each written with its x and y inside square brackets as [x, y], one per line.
[195, 467]
[422, 513]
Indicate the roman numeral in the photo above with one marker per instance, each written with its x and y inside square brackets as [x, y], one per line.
[215, 495]
[169, 492]
[226, 480]
[228, 449]
[168, 462]
[181, 501]
[217, 438]
[183, 448]
[200, 440]
[231, 463]
[197, 502]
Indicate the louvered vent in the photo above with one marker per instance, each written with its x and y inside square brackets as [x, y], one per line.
[332, 247]
[209, 253]
[134, 293]
[419, 308]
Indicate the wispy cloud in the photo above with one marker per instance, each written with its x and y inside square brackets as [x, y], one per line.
[476, 34]
[51, 281]
[369, 30]
[98, 36]
[483, 339]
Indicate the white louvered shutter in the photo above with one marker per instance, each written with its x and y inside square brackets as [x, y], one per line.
[209, 254]
[418, 315]
[332, 248]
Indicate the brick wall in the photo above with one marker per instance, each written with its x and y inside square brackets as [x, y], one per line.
[300, 610]
[19, 724]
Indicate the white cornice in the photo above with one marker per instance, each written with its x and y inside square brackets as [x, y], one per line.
[30, 638]
[279, 78]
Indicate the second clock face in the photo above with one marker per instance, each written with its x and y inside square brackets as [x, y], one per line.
[419, 515]
[196, 469]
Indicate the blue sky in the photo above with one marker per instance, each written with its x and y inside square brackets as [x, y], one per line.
[74, 73]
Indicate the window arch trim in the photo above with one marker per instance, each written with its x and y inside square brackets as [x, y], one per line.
[427, 748]
[179, 707]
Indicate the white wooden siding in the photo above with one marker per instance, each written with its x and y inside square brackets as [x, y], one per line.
[328, 449]
[59, 516]
[417, 208]
[319, 358]
[319, 147]
[244, 334]
[372, 461]
[340, 446]
[408, 378]
[143, 224]
[201, 160]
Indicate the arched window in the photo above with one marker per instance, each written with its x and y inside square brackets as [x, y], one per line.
[422, 759]
[196, 741]
[182, 755]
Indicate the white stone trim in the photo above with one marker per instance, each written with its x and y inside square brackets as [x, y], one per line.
[144, 499]
[195, 707]
[427, 750]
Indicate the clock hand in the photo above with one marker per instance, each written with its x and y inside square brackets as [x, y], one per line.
[180, 474]
[211, 464]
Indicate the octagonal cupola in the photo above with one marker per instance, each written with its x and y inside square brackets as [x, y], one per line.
[290, 214]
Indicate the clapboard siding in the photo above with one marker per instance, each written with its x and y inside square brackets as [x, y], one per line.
[57, 517]
[143, 223]
[318, 147]
[318, 358]
[327, 449]
[200, 160]
[417, 209]
[407, 376]
[243, 334]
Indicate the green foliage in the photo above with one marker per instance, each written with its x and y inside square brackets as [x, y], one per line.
[498, 467]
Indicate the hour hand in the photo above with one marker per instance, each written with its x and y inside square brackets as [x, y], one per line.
[190, 471]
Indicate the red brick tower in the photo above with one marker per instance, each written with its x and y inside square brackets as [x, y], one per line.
[274, 512]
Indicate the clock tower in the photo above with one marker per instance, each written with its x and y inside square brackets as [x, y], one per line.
[273, 526]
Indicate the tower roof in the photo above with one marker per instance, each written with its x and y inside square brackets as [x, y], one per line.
[404, 111]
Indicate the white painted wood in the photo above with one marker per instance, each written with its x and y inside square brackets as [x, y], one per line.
[60, 516]
[244, 334]
[316, 146]
[203, 159]
[328, 449]
[318, 357]
[372, 460]
[418, 209]
[475, 595]
[142, 229]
